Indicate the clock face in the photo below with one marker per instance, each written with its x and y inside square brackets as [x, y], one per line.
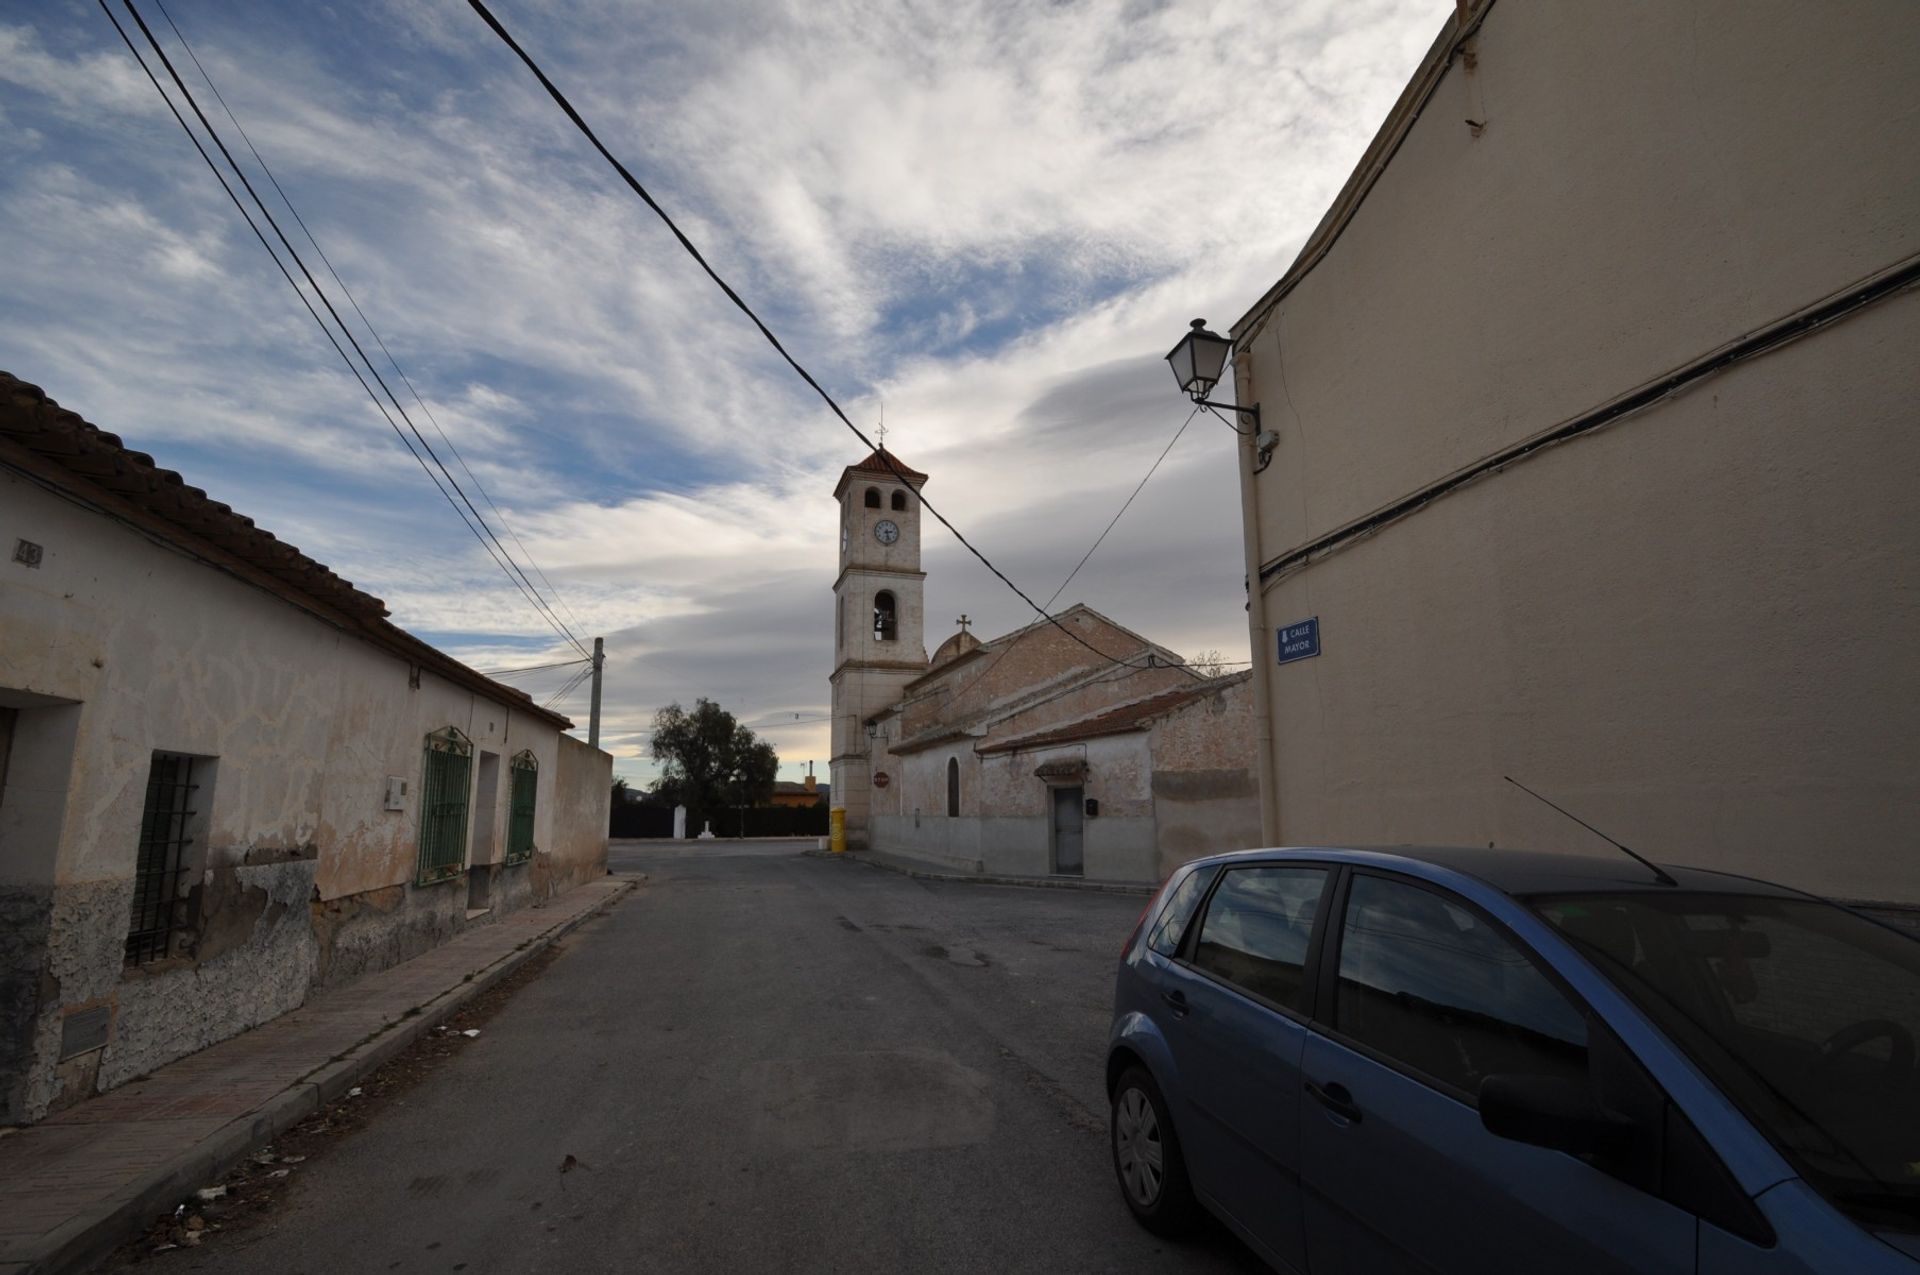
[886, 531]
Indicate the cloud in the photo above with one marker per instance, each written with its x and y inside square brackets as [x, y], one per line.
[993, 218]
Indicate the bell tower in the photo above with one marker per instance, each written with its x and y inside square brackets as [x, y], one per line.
[879, 614]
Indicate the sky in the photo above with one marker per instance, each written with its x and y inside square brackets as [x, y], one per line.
[986, 222]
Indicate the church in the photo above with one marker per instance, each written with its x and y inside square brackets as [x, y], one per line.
[1070, 747]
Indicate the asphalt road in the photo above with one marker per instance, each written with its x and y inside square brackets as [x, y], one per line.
[759, 1062]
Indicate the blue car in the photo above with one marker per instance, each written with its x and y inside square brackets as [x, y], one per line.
[1502, 1061]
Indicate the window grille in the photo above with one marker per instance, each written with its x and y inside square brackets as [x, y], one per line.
[443, 806]
[526, 780]
[158, 909]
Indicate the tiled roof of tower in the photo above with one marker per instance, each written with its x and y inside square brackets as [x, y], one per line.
[56, 448]
[1116, 721]
[880, 465]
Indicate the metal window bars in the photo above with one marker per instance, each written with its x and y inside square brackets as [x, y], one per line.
[443, 806]
[525, 786]
[158, 910]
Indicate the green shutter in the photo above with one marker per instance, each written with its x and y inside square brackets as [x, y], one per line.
[526, 782]
[443, 806]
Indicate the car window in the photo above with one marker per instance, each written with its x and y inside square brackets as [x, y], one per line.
[1168, 930]
[1256, 930]
[1807, 1015]
[1435, 986]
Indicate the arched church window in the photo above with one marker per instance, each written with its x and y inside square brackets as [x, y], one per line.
[953, 788]
[899, 500]
[873, 497]
[885, 624]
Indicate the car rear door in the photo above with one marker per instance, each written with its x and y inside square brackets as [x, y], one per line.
[1238, 1001]
[1422, 995]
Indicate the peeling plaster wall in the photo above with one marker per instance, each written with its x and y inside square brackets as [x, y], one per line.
[576, 846]
[119, 647]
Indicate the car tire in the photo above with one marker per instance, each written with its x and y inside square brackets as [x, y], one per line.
[1146, 1156]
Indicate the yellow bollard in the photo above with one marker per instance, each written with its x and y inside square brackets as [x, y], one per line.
[837, 830]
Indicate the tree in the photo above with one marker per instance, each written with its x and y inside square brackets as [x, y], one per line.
[619, 789]
[709, 761]
[1209, 663]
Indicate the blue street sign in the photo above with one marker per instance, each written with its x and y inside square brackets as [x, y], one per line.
[1300, 641]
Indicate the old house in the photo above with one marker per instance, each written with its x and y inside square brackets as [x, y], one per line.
[1587, 450]
[1071, 746]
[226, 779]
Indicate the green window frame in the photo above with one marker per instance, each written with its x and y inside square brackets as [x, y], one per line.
[444, 801]
[525, 772]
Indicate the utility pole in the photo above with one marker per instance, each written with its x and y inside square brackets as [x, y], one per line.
[593, 715]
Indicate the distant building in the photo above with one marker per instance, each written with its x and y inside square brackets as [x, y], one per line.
[1073, 746]
[1596, 394]
[805, 793]
[226, 778]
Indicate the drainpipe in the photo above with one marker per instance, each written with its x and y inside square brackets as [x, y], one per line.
[1260, 637]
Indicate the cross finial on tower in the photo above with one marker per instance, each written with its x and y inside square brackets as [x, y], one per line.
[882, 433]
[963, 622]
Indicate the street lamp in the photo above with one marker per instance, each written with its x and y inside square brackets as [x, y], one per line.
[1197, 362]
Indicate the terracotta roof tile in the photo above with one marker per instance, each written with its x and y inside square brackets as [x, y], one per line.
[881, 464]
[1115, 721]
[69, 452]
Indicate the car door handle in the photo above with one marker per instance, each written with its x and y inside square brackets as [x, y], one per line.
[1178, 1000]
[1335, 1098]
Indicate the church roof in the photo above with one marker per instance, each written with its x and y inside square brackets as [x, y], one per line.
[954, 647]
[1136, 716]
[881, 463]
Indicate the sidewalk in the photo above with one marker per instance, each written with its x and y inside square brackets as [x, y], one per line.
[80, 1182]
[922, 870]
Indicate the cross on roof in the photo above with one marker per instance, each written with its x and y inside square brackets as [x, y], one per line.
[963, 622]
[882, 433]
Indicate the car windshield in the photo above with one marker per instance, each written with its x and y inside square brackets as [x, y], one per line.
[1804, 1013]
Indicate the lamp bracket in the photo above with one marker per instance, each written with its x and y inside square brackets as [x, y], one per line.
[1252, 410]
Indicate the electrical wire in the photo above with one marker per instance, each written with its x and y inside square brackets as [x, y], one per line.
[1098, 540]
[570, 686]
[633, 184]
[530, 668]
[355, 303]
[482, 531]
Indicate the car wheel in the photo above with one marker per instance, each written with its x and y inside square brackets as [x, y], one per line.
[1146, 1156]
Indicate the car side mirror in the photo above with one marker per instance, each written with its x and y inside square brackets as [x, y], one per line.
[1543, 1111]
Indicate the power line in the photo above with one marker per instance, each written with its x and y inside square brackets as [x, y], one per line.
[531, 668]
[482, 531]
[633, 184]
[355, 303]
[571, 685]
[1098, 540]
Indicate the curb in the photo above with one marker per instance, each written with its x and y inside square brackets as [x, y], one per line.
[90, 1236]
[1140, 889]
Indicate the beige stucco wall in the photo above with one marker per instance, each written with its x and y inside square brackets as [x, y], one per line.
[576, 849]
[304, 876]
[1696, 627]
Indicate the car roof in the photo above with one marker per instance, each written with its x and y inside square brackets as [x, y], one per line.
[1528, 872]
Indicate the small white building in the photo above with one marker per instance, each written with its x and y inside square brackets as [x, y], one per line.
[1073, 746]
[226, 778]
